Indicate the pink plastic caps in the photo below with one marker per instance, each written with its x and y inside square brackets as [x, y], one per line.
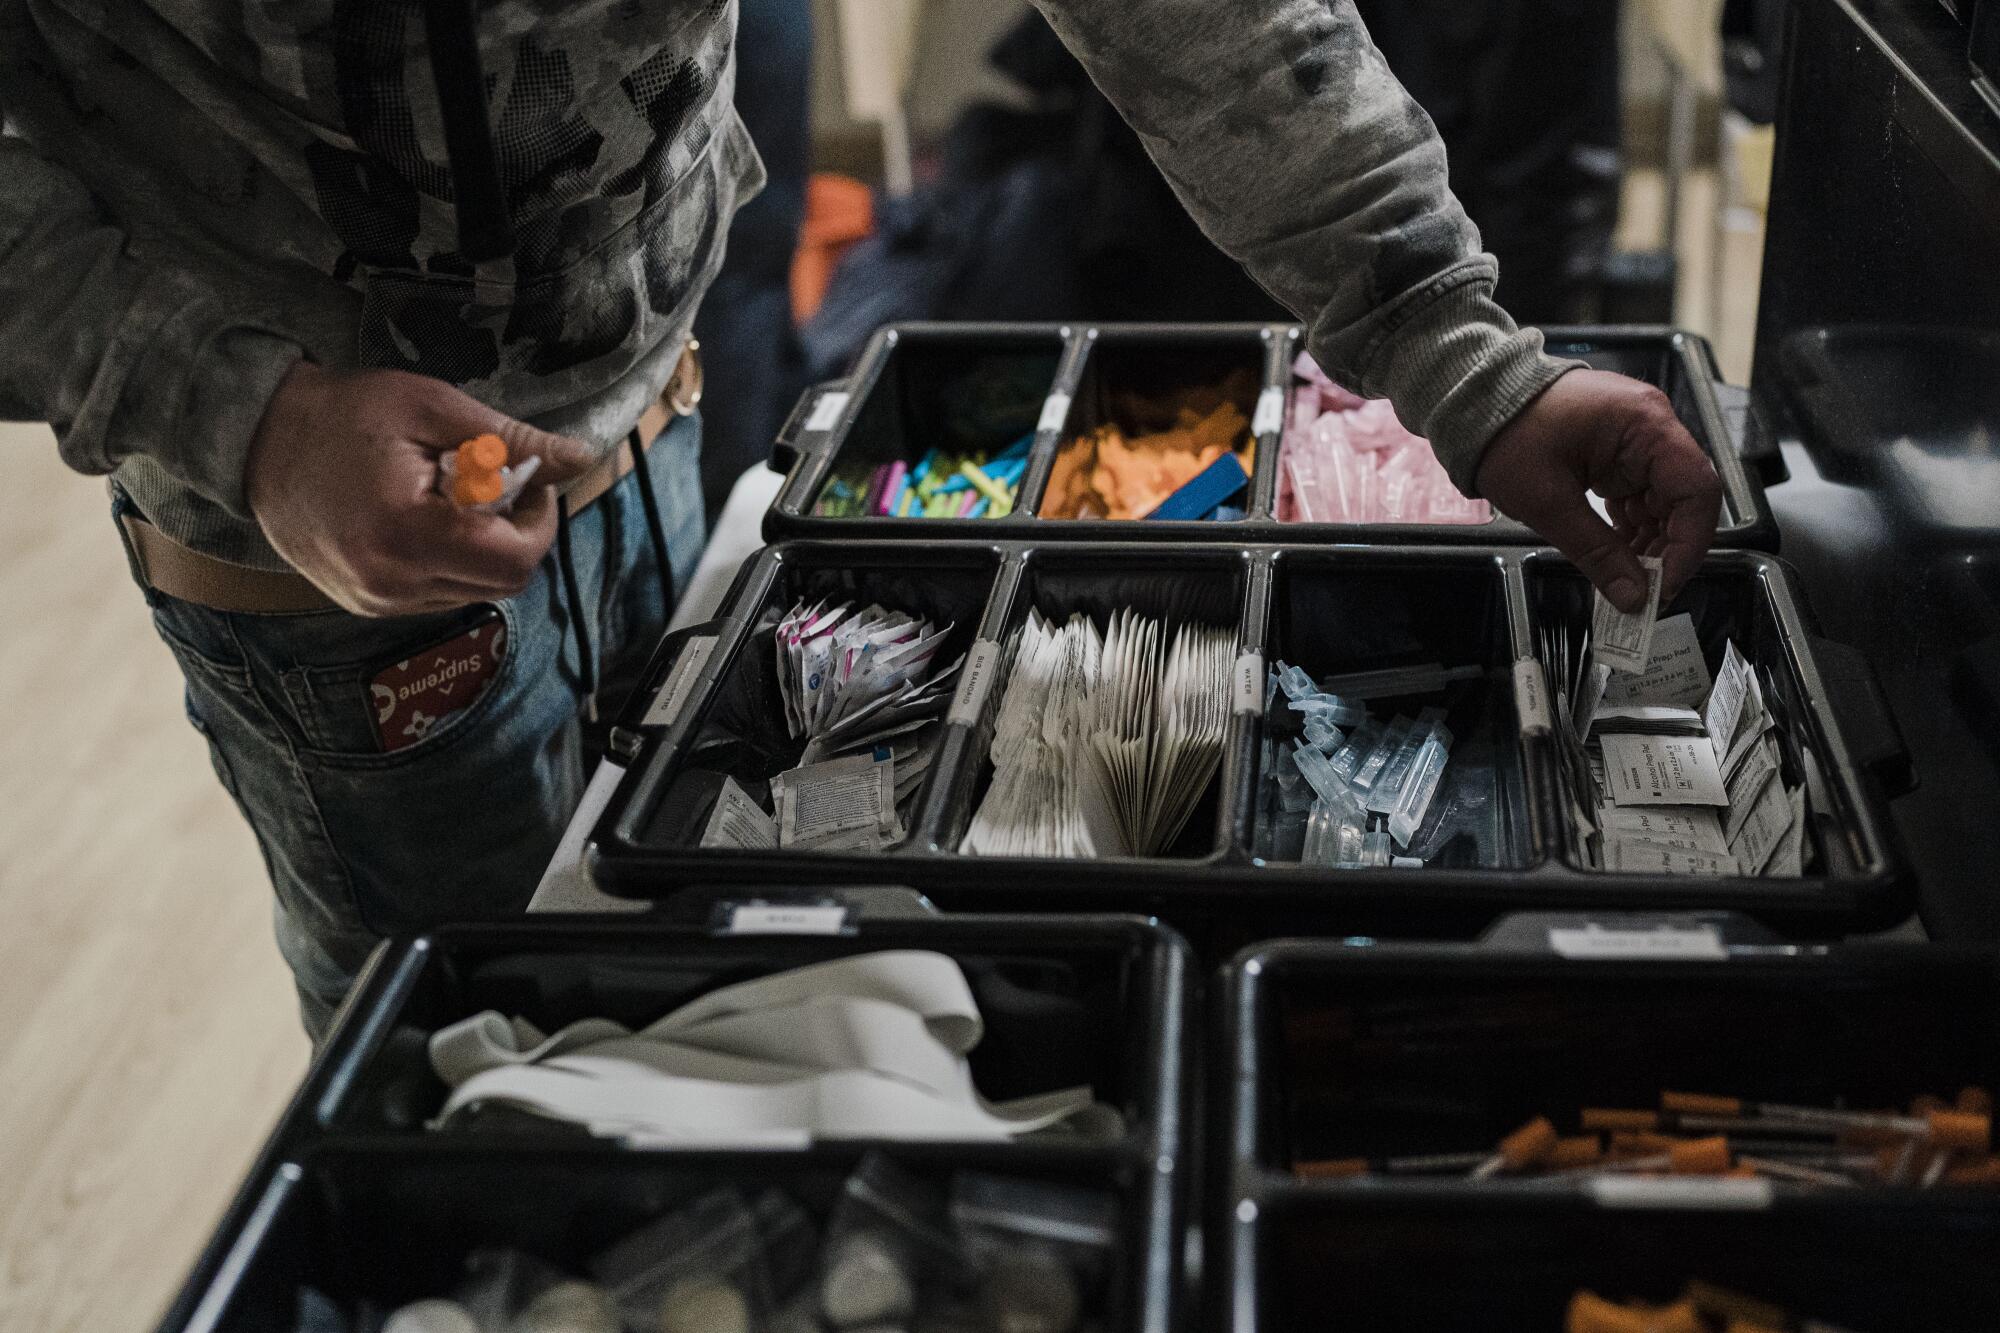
[1347, 459]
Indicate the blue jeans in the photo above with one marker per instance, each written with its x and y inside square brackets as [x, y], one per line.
[459, 826]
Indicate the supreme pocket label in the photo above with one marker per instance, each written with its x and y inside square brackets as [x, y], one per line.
[415, 695]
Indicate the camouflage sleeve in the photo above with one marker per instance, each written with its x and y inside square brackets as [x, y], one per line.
[121, 356]
[1281, 128]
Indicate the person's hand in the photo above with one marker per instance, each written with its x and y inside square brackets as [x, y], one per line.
[1595, 431]
[341, 478]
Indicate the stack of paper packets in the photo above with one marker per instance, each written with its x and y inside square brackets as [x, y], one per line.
[1687, 771]
[859, 687]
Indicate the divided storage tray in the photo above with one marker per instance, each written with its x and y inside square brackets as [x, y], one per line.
[355, 1197]
[1345, 1049]
[713, 707]
[984, 386]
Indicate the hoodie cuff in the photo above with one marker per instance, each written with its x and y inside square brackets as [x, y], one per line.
[1458, 370]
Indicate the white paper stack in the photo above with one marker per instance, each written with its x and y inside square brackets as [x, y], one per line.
[1104, 741]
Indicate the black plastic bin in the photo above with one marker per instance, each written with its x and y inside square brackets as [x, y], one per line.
[1330, 609]
[1094, 1000]
[1336, 1049]
[1097, 1000]
[900, 399]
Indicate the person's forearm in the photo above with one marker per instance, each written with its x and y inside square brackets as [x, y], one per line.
[1293, 146]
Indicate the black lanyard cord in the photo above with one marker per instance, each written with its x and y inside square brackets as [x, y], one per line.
[479, 194]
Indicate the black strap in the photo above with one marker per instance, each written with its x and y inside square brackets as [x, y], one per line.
[479, 195]
[579, 614]
[656, 528]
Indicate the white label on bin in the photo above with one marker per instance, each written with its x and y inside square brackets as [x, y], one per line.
[1680, 1192]
[765, 919]
[827, 411]
[1055, 411]
[1249, 683]
[673, 695]
[1270, 411]
[975, 682]
[1669, 942]
[1531, 697]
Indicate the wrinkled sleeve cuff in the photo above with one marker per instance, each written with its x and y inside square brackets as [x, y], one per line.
[1457, 367]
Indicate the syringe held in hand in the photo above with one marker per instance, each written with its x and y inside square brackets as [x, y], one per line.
[477, 476]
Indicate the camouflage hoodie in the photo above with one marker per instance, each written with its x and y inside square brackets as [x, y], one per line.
[194, 193]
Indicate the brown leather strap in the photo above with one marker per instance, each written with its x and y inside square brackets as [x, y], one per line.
[210, 581]
[222, 585]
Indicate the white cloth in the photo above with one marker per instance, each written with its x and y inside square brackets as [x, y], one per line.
[872, 1046]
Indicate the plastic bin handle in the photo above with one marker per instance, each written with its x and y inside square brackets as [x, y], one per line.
[661, 668]
[1756, 445]
[800, 435]
[1866, 719]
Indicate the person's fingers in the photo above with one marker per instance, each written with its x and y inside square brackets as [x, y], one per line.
[430, 600]
[495, 551]
[1597, 549]
[1684, 497]
[1684, 540]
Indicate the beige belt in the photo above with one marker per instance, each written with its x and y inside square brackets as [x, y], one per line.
[223, 585]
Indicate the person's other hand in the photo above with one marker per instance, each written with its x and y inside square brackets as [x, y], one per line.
[342, 475]
[1595, 431]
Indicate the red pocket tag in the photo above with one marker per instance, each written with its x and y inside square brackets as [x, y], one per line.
[417, 694]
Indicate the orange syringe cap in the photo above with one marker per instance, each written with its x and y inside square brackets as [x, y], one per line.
[1626, 1145]
[1983, 1172]
[1698, 1103]
[1607, 1119]
[1963, 1131]
[483, 453]
[1591, 1313]
[1530, 1144]
[1976, 1100]
[1699, 1157]
[477, 488]
[1331, 1168]
[1583, 1150]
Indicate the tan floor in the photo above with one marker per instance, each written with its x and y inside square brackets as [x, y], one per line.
[147, 1032]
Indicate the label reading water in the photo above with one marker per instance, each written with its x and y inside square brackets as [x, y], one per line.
[1055, 411]
[1531, 697]
[1248, 683]
[673, 696]
[1669, 942]
[975, 682]
[1270, 411]
[827, 411]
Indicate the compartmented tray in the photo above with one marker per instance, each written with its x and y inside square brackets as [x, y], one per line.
[1332, 609]
[961, 386]
[1359, 1048]
[352, 1193]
